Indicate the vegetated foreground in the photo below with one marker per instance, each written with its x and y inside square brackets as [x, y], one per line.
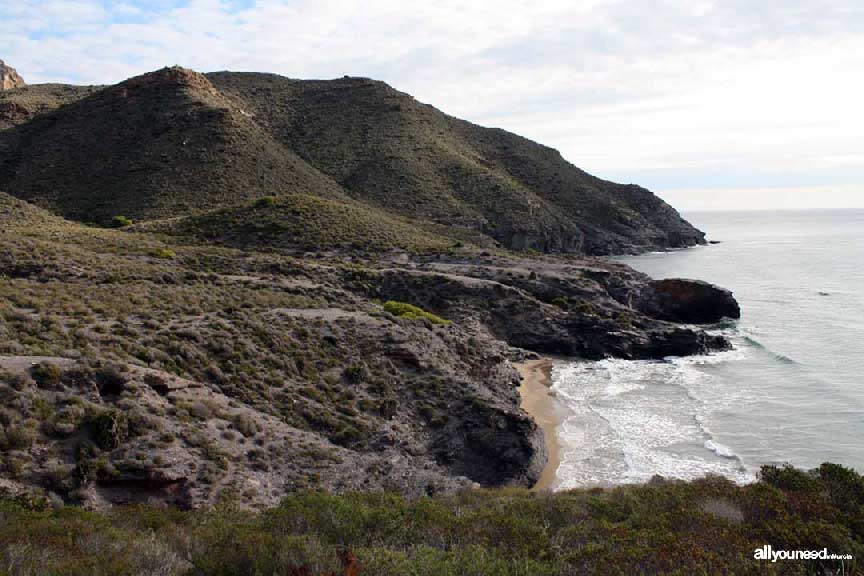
[708, 526]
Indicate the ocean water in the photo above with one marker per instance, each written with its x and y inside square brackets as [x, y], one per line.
[792, 390]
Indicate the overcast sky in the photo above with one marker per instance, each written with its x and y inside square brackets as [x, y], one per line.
[728, 104]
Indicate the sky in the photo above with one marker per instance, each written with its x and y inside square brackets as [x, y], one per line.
[731, 104]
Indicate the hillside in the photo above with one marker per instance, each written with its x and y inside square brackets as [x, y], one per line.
[380, 143]
[21, 104]
[137, 366]
[304, 222]
[160, 145]
[173, 143]
[254, 325]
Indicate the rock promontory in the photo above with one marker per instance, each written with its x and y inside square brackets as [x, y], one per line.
[693, 301]
[9, 78]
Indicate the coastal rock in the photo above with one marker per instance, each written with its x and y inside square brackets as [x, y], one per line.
[587, 309]
[693, 301]
[9, 78]
[492, 447]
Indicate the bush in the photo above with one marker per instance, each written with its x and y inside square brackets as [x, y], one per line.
[46, 374]
[411, 312]
[658, 528]
[109, 429]
[16, 436]
[787, 477]
[110, 380]
[560, 302]
[121, 222]
[245, 425]
[164, 253]
[356, 373]
[265, 201]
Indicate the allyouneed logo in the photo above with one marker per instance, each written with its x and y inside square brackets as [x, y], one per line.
[768, 553]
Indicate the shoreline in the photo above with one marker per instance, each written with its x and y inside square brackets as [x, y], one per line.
[547, 412]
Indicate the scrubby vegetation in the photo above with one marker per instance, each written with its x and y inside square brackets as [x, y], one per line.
[129, 361]
[195, 359]
[708, 526]
[305, 222]
[121, 221]
[411, 312]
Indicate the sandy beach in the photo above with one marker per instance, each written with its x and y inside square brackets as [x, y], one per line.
[538, 401]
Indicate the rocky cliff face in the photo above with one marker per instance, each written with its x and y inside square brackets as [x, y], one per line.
[9, 78]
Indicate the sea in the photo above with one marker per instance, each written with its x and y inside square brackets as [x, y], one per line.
[791, 390]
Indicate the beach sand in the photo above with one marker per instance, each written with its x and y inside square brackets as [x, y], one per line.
[549, 413]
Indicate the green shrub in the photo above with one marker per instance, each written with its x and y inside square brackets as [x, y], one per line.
[787, 477]
[16, 436]
[411, 312]
[356, 373]
[109, 429]
[266, 201]
[560, 302]
[245, 425]
[121, 222]
[657, 528]
[625, 320]
[164, 253]
[844, 486]
[46, 374]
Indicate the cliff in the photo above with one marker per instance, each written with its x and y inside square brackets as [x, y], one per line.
[9, 78]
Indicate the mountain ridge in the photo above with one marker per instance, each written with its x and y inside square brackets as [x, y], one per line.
[175, 142]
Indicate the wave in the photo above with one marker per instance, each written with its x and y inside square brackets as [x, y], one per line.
[631, 420]
[752, 342]
[720, 449]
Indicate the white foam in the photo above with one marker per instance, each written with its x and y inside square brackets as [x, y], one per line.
[631, 420]
[720, 449]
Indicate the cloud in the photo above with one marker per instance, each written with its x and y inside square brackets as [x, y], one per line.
[628, 89]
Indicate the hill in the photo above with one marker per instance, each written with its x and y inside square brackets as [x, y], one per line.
[139, 366]
[159, 145]
[382, 144]
[174, 143]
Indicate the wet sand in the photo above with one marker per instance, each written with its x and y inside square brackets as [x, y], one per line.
[539, 402]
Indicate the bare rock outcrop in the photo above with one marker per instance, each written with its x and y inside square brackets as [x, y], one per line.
[693, 301]
[9, 78]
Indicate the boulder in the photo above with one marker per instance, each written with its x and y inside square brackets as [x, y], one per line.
[692, 301]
